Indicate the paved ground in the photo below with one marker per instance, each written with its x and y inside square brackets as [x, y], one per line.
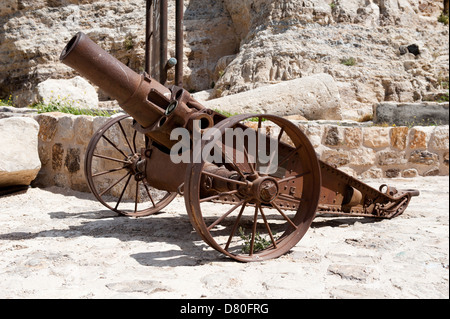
[57, 243]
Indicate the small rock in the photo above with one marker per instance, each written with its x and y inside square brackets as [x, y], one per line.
[414, 49]
[76, 92]
[411, 172]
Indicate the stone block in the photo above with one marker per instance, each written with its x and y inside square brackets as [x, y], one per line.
[423, 157]
[432, 172]
[65, 127]
[98, 122]
[19, 156]
[392, 173]
[419, 137]
[372, 172]
[408, 114]
[334, 136]
[376, 137]
[353, 137]
[439, 139]
[399, 137]
[48, 125]
[336, 157]
[349, 171]
[314, 97]
[363, 157]
[314, 133]
[83, 128]
[386, 158]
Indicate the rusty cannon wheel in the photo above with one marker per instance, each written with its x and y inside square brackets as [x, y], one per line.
[116, 174]
[269, 192]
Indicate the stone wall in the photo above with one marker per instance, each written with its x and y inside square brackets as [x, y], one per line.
[34, 32]
[235, 46]
[359, 150]
[375, 152]
[63, 140]
[362, 44]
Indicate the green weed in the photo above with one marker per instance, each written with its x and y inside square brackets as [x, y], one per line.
[348, 62]
[230, 114]
[7, 102]
[260, 242]
[443, 18]
[65, 106]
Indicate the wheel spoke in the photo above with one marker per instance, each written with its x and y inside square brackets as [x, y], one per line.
[149, 195]
[111, 159]
[255, 220]
[137, 197]
[293, 177]
[236, 223]
[251, 165]
[257, 144]
[284, 215]
[289, 155]
[134, 141]
[268, 227]
[114, 145]
[107, 172]
[280, 134]
[225, 215]
[106, 190]
[123, 192]
[235, 166]
[126, 138]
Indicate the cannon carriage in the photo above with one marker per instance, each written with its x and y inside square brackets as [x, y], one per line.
[251, 189]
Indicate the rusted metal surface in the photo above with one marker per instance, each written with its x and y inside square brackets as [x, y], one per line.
[157, 62]
[263, 212]
[342, 194]
[179, 42]
[141, 96]
[265, 202]
[119, 152]
[148, 35]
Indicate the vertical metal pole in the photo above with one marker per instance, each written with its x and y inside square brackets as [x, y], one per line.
[163, 42]
[179, 42]
[148, 35]
[155, 52]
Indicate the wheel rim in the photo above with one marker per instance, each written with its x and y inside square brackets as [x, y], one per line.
[113, 174]
[264, 220]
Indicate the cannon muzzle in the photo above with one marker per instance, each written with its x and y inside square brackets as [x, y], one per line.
[142, 97]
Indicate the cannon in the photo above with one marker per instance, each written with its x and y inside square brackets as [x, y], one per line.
[252, 183]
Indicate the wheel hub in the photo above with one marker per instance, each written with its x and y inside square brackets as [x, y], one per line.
[266, 189]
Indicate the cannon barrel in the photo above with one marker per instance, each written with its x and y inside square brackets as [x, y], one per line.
[142, 97]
